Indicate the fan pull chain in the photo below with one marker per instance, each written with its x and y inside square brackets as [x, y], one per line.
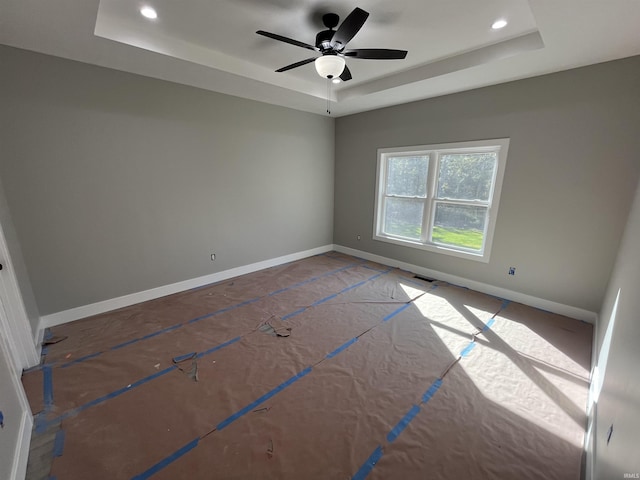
[328, 96]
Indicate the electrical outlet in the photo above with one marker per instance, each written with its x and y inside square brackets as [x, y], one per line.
[512, 270]
[213, 257]
[358, 237]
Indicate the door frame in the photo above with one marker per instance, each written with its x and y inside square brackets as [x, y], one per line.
[15, 324]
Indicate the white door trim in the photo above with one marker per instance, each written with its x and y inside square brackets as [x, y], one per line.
[23, 439]
[21, 346]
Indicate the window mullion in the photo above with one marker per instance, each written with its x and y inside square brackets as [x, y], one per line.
[428, 204]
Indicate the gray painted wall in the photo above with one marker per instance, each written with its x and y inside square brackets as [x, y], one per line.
[620, 395]
[569, 181]
[119, 183]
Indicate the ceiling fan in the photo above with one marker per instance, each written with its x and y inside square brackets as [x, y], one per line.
[331, 44]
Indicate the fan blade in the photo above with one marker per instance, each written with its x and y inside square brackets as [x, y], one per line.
[350, 26]
[346, 74]
[286, 40]
[296, 65]
[376, 54]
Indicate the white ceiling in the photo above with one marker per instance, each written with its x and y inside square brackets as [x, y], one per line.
[212, 44]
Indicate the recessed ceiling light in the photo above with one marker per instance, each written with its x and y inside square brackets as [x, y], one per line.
[498, 24]
[149, 12]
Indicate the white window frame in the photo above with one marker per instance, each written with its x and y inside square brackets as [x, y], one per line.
[500, 146]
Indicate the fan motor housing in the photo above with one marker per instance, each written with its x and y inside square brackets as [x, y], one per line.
[323, 40]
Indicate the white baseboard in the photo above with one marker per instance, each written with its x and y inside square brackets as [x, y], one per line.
[554, 307]
[21, 456]
[85, 311]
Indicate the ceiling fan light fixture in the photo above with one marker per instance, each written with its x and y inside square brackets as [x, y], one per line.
[498, 24]
[329, 66]
[148, 12]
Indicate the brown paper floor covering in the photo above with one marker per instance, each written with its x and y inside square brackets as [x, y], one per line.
[331, 367]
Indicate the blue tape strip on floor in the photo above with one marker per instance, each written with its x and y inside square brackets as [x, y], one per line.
[81, 359]
[151, 335]
[432, 390]
[116, 393]
[467, 350]
[396, 312]
[342, 347]
[488, 324]
[104, 398]
[334, 295]
[218, 347]
[47, 387]
[182, 358]
[167, 461]
[312, 279]
[402, 424]
[58, 444]
[252, 406]
[48, 333]
[367, 466]
[44, 424]
[262, 399]
[224, 310]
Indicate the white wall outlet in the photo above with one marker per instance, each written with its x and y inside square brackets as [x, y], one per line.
[358, 237]
[213, 257]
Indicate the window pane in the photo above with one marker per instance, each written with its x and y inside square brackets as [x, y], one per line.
[466, 176]
[407, 176]
[459, 225]
[403, 217]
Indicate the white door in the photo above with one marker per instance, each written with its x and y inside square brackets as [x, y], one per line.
[15, 431]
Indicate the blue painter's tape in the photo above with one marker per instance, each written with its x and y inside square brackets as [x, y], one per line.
[224, 310]
[396, 312]
[218, 347]
[151, 335]
[108, 396]
[326, 299]
[505, 304]
[432, 390]
[1, 418]
[371, 268]
[466, 350]
[182, 358]
[402, 424]
[312, 279]
[368, 465]
[167, 460]
[263, 398]
[334, 295]
[58, 444]
[489, 324]
[47, 387]
[342, 347]
[293, 314]
[48, 334]
[81, 359]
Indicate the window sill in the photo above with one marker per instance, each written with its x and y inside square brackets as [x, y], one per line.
[436, 248]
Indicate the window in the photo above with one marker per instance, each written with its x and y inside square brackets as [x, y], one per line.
[442, 198]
